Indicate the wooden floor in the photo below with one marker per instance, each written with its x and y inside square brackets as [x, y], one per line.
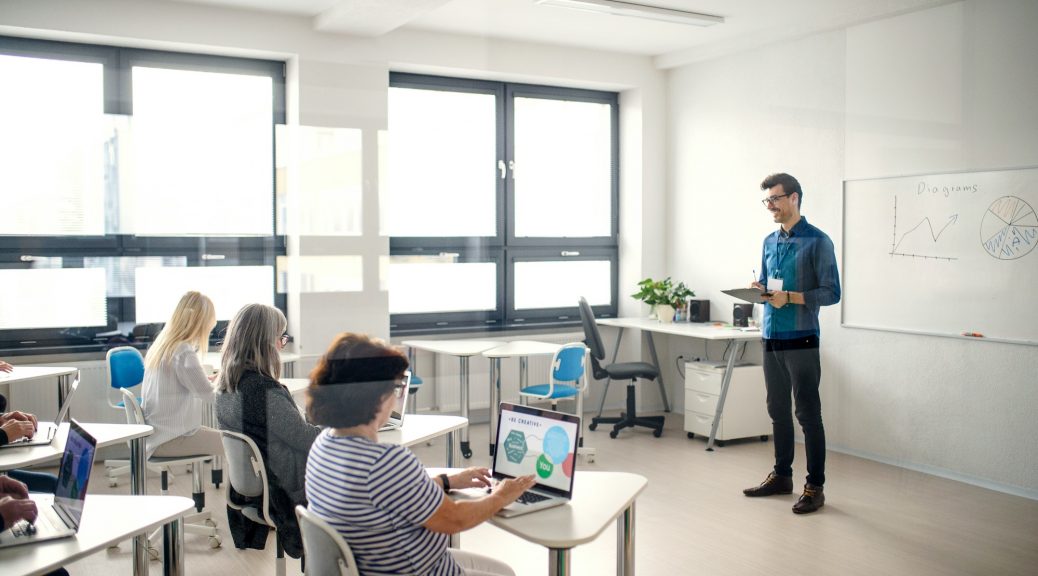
[693, 519]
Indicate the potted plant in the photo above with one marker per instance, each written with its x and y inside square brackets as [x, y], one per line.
[663, 296]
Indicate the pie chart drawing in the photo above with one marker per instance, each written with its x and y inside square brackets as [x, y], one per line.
[1009, 229]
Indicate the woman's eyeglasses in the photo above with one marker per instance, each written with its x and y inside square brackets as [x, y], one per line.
[399, 389]
[285, 339]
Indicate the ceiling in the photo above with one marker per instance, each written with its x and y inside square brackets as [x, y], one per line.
[748, 23]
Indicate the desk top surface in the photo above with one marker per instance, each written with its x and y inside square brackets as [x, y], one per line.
[105, 434]
[598, 499]
[107, 519]
[21, 373]
[706, 331]
[522, 348]
[453, 347]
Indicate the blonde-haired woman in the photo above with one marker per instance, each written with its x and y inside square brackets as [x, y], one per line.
[251, 401]
[175, 382]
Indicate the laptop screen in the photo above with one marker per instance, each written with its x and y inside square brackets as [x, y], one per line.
[74, 473]
[539, 442]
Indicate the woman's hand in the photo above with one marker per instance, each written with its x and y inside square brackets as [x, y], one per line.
[5, 367]
[21, 416]
[474, 477]
[11, 487]
[18, 429]
[16, 509]
[512, 488]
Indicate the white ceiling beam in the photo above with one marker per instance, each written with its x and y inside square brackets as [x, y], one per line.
[372, 18]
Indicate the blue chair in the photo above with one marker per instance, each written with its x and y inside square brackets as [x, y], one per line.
[416, 383]
[125, 370]
[567, 378]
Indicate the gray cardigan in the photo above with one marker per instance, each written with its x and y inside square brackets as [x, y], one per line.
[263, 409]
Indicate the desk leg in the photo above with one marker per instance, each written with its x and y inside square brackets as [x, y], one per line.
[138, 475]
[656, 362]
[464, 378]
[625, 542]
[737, 348]
[452, 449]
[172, 549]
[558, 562]
[495, 399]
[605, 391]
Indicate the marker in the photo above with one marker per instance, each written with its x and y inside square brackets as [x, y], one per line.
[973, 334]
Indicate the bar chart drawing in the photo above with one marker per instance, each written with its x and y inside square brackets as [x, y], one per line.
[1009, 229]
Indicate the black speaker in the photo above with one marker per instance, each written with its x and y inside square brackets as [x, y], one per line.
[741, 314]
[698, 310]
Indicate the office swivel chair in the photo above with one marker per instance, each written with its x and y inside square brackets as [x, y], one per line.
[617, 371]
[199, 523]
[247, 475]
[326, 551]
[125, 370]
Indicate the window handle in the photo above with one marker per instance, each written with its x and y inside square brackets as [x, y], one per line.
[511, 167]
[501, 167]
[570, 253]
[213, 257]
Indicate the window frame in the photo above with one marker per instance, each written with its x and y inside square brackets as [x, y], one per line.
[505, 248]
[117, 64]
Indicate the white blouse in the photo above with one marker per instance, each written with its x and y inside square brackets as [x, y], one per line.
[171, 396]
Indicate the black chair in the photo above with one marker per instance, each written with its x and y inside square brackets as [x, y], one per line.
[631, 371]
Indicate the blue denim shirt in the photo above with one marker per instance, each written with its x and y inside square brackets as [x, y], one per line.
[806, 262]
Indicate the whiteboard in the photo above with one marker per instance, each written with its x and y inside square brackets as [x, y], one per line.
[943, 254]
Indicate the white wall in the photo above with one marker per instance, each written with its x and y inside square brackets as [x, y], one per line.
[946, 89]
[341, 81]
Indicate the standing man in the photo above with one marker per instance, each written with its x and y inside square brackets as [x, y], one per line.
[798, 274]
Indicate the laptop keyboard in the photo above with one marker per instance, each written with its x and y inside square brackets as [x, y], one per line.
[23, 528]
[530, 498]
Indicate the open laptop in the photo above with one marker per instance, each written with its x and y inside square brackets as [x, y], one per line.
[59, 513]
[396, 417]
[539, 442]
[45, 431]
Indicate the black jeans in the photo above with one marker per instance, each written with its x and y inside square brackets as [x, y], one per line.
[793, 367]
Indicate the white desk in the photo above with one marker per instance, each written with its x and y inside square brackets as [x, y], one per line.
[598, 499]
[107, 519]
[106, 435]
[288, 361]
[28, 373]
[522, 349]
[463, 349]
[737, 337]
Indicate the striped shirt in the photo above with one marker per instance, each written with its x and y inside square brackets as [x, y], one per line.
[171, 396]
[378, 496]
[805, 261]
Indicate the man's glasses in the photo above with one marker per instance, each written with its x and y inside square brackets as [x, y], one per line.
[285, 339]
[772, 199]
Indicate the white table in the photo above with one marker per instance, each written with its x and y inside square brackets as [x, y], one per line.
[463, 349]
[28, 373]
[107, 519]
[598, 499]
[703, 331]
[288, 361]
[522, 349]
[106, 435]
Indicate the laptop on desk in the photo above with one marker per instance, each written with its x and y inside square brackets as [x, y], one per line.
[539, 442]
[59, 514]
[396, 417]
[45, 431]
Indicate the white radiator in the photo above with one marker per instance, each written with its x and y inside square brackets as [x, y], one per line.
[440, 390]
[40, 397]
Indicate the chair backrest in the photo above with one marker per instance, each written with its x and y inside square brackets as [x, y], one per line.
[245, 469]
[568, 365]
[326, 550]
[125, 369]
[592, 339]
[134, 414]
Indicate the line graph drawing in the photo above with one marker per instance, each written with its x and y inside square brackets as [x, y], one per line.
[1009, 229]
[911, 234]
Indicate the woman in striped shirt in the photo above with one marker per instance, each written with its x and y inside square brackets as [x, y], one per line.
[395, 517]
[175, 382]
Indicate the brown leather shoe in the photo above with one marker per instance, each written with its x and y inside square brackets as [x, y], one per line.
[772, 485]
[812, 499]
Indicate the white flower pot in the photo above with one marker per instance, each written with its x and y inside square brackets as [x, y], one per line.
[665, 313]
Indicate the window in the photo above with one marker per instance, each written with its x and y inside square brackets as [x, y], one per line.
[500, 201]
[128, 177]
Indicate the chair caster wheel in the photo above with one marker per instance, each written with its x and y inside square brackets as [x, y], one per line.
[764, 438]
[113, 483]
[592, 426]
[691, 435]
[719, 443]
[613, 433]
[657, 432]
[214, 542]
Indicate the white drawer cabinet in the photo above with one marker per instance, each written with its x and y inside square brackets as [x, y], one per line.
[745, 412]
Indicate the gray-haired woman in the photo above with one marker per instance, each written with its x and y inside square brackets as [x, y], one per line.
[251, 401]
